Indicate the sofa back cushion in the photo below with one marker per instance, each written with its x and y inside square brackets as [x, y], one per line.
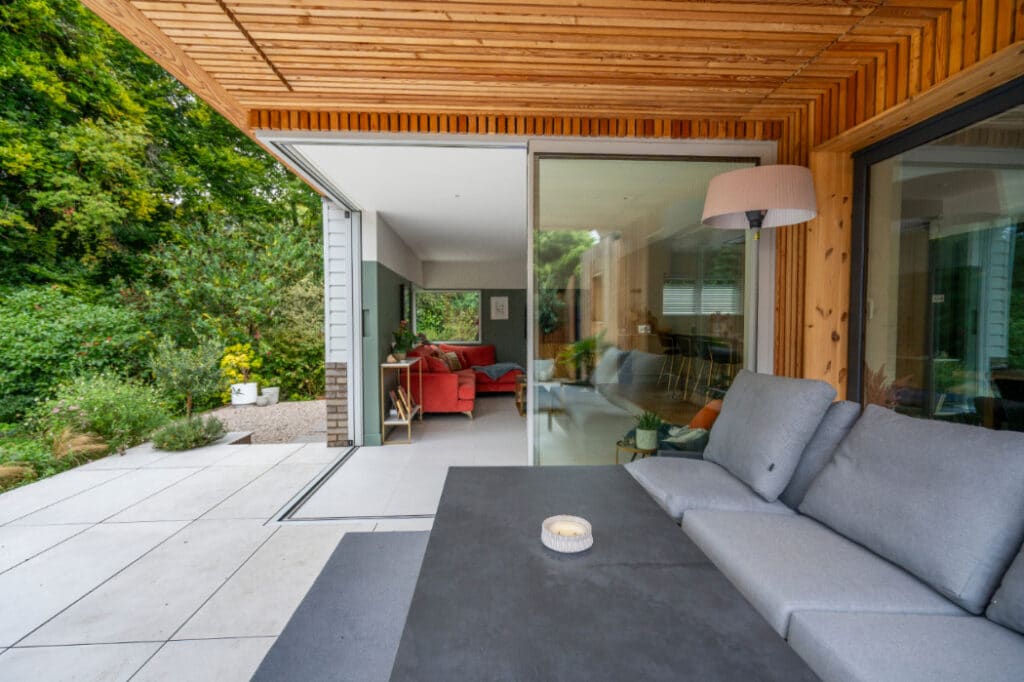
[422, 351]
[479, 356]
[1007, 605]
[837, 422]
[765, 424]
[606, 371]
[436, 364]
[944, 501]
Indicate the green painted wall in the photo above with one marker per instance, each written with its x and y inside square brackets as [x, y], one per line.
[383, 313]
[507, 336]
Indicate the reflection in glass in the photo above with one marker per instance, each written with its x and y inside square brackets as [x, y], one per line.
[638, 307]
[944, 311]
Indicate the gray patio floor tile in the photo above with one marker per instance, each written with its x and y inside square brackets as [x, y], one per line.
[267, 494]
[18, 543]
[200, 457]
[391, 525]
[30, 498]
[134, 458]
[207, 660]
[92, 663]
[315, 453]
[41, 587]
[191, 497]
[261, 597]
[265, 455]
[153, 597]
[105, 500]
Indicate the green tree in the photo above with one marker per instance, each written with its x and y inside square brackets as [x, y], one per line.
[183, 374]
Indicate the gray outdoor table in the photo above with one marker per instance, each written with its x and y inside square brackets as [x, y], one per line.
[644, 603]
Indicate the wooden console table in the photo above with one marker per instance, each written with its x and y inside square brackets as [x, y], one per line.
[387, 420]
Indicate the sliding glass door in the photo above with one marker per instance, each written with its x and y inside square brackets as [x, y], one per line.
[637, 306]
[944, 296]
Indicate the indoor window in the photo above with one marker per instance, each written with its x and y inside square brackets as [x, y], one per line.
[447, 316]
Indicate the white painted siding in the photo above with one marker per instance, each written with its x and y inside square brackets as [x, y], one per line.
[338, 282]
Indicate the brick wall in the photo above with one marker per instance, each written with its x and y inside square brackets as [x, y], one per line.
[336, 374]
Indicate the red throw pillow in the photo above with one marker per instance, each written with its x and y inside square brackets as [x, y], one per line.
[436, 365]
[705, 419]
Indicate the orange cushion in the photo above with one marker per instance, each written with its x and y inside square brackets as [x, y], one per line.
[707, 415]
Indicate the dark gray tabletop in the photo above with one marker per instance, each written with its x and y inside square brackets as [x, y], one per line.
[644, 603]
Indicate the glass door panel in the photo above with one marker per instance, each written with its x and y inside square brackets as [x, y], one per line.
[637, 306]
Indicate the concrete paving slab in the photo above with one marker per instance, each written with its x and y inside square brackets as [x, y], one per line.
[265, 455]
[200, 457]
[261, 597]
[265, 496]
[43, 586]
[108, 499]
[20, 543]
[191, 497]
[315, 453]
[133, 458]
[153, 597]
[209, 660]
[90, 663]
[398, 525]
[31, 498]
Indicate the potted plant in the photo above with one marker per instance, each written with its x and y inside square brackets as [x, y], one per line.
[581, 354]
[647, 425]
[404, 341]
[237, 367]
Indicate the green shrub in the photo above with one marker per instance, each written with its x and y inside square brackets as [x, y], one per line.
[47, 337]
[192, 432]
[122, 412]
[186, 375]
[293, 348]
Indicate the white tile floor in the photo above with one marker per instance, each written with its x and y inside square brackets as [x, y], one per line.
[157, 566]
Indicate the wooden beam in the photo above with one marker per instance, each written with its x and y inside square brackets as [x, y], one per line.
[827, 272]
[137, 28]
[971, 82]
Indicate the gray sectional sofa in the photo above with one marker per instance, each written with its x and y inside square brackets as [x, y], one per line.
[882, 547]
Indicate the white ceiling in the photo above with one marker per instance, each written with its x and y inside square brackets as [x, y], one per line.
[459, 203]
[446, 203]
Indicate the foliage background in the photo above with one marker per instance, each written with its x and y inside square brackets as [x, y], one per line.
[448, 315]
[130, 211]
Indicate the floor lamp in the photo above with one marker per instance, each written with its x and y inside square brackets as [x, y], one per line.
[756, 198]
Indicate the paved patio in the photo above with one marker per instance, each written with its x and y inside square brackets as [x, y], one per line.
[157, 566]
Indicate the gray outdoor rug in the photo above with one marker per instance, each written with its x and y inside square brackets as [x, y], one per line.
[348, 626]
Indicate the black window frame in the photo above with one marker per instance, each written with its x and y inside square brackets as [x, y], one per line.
[992, 103]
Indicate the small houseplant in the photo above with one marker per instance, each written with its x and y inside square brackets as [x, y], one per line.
[581, 355]
[404, 341]
[237, 367]
[647, 425]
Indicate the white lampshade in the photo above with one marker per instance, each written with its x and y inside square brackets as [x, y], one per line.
[784, 193]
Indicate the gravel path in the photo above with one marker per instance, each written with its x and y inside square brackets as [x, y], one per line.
[288, 422]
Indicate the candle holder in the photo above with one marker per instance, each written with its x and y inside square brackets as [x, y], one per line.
[566, 534]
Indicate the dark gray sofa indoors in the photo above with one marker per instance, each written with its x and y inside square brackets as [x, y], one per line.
[882, 547]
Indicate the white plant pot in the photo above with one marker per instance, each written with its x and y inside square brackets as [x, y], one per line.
[271, 393]
[646, 440]
[243, 394]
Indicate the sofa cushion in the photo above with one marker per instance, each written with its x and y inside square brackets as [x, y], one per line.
[765, 424]
[944, 501]
[607, 369]
[436, 365]
[1007, 605]
[451, 359]
[783, 563]
[834, 426]
[679, 485]
[705, 419]
[879, 647]
[472, 355]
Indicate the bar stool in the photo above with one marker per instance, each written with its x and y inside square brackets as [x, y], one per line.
[671, 351]
[689, 352]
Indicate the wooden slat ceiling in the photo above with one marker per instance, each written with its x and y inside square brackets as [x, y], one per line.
[609, 58]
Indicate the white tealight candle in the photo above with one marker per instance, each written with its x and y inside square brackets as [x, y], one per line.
[568, 529]
[567, 534]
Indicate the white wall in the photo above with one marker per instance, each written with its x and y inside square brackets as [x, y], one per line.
[337, 282]
[395, 254]
[504, 274]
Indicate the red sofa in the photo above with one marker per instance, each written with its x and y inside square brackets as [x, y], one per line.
[448, 391]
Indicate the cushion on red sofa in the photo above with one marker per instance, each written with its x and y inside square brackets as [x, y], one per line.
[473, 355]
[467, 390]
[422, 351]
[436, 365]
